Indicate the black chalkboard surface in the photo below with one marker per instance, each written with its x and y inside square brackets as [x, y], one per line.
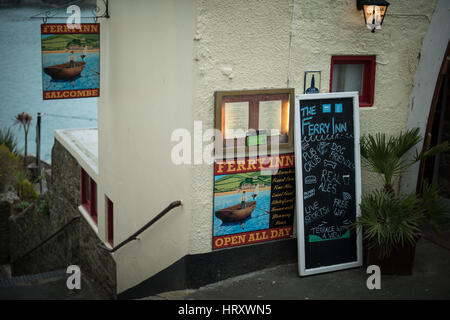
[328, 181]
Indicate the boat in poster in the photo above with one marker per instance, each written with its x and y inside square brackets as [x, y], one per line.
[236, 213]
[64, 71]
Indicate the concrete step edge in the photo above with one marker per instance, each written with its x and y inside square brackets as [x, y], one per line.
[32, 278]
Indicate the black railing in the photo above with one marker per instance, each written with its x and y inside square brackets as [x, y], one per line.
[145, 227]
[57, 232]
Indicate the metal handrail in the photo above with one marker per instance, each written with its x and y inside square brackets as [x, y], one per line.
[145, 227]
[49, 238]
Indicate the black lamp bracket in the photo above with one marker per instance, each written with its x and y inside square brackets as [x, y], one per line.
[359, 5]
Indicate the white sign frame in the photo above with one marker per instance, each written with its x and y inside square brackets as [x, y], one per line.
[299, 183]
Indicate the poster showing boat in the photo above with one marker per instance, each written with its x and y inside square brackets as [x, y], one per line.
[254, 200]
[70, 61]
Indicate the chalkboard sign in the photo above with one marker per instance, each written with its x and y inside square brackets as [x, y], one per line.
[328, 181]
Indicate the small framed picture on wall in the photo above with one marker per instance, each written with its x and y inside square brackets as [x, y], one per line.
[312, 82]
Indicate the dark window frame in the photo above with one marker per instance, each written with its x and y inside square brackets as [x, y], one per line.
[110, 221]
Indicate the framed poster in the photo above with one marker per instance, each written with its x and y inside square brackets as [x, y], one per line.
[312, 82]
[328, 181]
[254, 200]
[255, 117]
[70, 61]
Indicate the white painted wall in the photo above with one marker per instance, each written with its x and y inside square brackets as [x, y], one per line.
[146, 93]
[431, 57]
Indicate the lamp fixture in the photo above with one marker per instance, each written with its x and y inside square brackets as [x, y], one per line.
[374, 12]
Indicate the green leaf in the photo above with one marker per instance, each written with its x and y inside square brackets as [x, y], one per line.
[389, 220]
[443, 147]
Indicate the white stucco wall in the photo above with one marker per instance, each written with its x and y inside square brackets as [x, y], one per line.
[146, 93]
[245, 45]
[431, 58]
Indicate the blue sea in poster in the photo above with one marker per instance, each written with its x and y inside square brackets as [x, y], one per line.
[257, 221]
[88, 79]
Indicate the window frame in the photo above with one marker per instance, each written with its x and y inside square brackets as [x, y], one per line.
[366, 99]
[89, 195]
[110, 221]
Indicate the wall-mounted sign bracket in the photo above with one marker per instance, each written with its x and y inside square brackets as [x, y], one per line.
[97, 12]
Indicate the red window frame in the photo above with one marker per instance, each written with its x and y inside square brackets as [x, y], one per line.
[89, 195]
[366, 99]
[84, 190]
[110, 220]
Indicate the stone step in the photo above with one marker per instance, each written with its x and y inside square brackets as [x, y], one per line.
[48, 286]
[5, 271]
[33, 278]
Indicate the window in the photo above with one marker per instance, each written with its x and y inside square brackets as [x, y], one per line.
[110, 221]
[354, 73]
[89, 195]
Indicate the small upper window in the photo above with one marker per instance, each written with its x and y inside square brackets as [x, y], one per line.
[354, 73]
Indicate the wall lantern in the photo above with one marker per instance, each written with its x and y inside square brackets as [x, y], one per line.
[374, 12]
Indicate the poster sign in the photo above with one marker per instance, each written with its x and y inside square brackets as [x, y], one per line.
[70, 61]
[328, 181]
[254, 200]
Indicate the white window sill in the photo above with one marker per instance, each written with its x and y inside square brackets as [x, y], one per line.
[88, 218]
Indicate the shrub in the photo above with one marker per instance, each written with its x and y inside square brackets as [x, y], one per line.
[9, 165]
[387, 156]
[436, 211]
[22, 205]
[389, 220]
[43, 207]
[8, 138]
[26, 190]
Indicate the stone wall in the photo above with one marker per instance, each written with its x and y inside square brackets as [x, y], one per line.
[96, 262]
[64, 186]
[30, 228]
[6, 201]
[56, 254]
[27, 229]
[76, 243]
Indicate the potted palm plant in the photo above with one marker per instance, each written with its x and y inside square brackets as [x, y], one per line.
[391, 222]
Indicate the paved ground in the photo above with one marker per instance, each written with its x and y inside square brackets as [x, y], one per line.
[47, 287]
[430, 280]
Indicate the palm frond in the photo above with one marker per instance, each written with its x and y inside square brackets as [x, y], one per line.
[443, 147]
[389, 220]
[386, 156]
[405, 141]
[436, 211]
